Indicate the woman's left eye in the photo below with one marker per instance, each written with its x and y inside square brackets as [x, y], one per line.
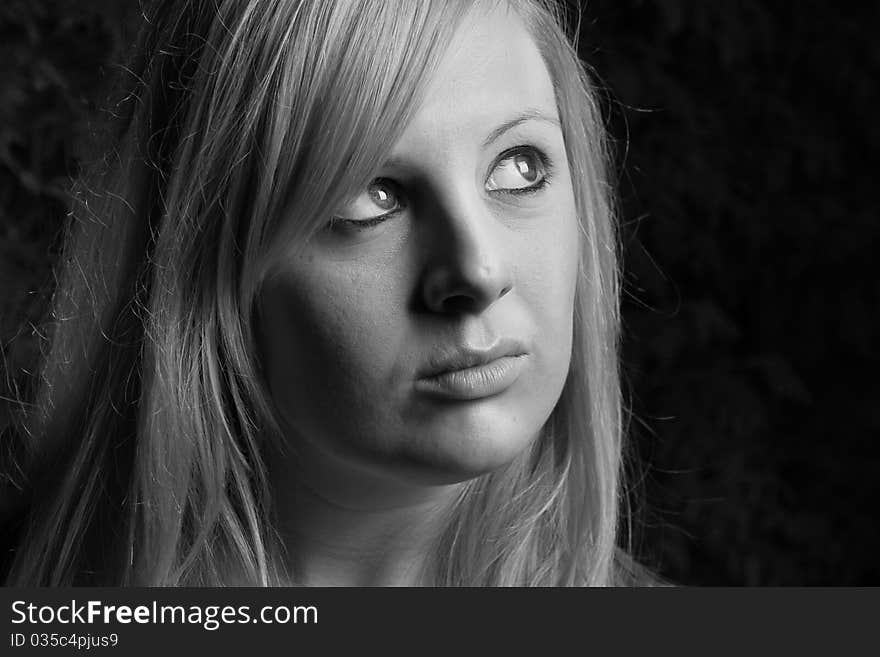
[379, 201]
[519, 171]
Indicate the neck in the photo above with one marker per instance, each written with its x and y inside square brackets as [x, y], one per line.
[360, 529]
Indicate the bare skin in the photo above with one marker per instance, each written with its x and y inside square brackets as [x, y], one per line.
[491, 261]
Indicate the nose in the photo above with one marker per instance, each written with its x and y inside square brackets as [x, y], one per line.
[468, 264]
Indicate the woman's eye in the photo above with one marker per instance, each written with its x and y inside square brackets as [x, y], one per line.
[520, 171]
[379, 201]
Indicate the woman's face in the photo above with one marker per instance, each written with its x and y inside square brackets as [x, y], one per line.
[425, 333]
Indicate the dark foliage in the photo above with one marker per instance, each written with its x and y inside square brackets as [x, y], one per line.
[746, 150]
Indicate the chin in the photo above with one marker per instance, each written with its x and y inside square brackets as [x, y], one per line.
[448, 458]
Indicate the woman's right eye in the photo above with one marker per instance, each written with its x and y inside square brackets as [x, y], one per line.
[381, 200]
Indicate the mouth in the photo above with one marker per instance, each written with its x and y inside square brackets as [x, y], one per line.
[468, 374]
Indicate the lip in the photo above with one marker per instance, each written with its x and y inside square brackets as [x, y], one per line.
[467, 373]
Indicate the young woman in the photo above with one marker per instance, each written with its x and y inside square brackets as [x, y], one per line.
[340, 308]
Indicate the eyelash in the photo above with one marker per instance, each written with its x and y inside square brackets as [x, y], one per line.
[544, 160]
[546, 167]
[363, 224]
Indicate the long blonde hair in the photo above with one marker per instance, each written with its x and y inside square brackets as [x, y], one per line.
[150, 421]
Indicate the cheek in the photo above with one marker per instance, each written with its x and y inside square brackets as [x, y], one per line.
[549, 270]
[326, 338]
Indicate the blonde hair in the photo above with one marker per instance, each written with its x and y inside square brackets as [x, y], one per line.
[146, 438]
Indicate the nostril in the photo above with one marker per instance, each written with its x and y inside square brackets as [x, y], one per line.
[460, 303]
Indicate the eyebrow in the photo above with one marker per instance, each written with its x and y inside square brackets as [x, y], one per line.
[531, 114]
[519, 119]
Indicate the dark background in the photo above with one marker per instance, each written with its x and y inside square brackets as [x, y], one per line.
[746, 143]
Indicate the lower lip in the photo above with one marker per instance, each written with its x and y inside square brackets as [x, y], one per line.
[474, 382]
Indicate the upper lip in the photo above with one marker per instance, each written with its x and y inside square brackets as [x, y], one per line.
[456, 358]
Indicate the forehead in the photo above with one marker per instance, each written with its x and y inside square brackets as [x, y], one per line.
[491, 71]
